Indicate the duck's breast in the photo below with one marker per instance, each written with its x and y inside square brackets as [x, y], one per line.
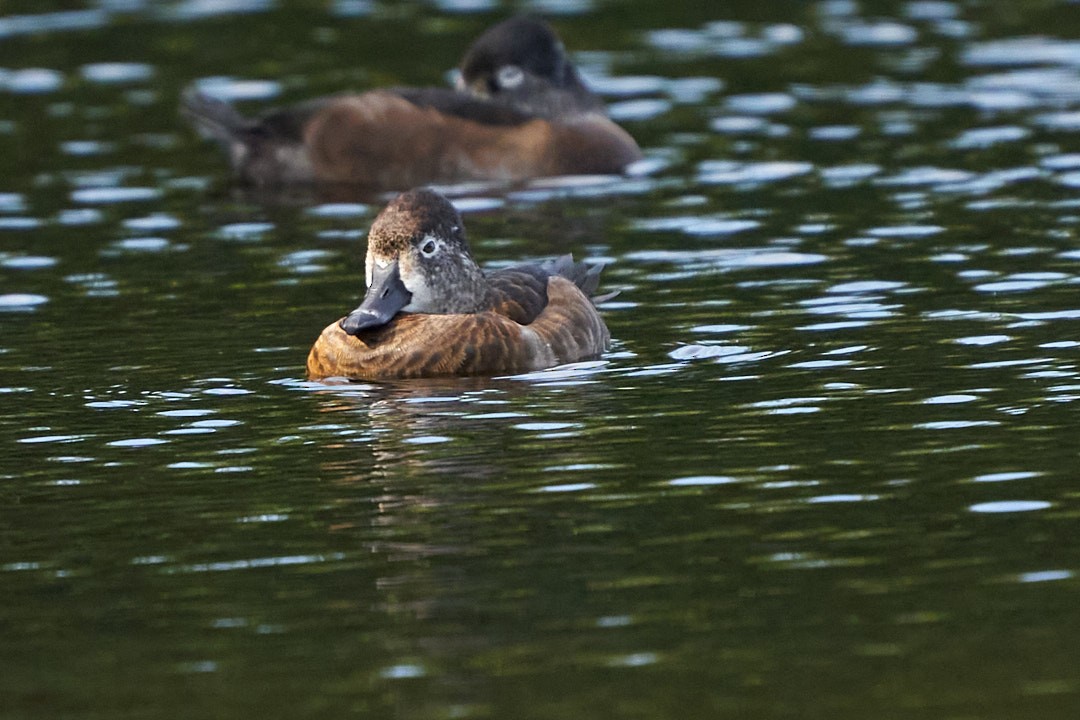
[418, 345]
[588, 144]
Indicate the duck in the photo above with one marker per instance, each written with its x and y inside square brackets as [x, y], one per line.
[430, 311]
[519, 110]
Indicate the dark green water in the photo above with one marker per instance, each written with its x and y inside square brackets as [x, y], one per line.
[829, 469]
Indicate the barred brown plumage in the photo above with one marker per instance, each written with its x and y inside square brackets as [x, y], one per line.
[445, 316]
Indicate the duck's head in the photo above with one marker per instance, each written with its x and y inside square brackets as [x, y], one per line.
[523, 62]
[417, 261]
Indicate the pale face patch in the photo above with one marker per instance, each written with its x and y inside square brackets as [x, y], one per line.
[510, 76]
[421, 267]
[423, 299]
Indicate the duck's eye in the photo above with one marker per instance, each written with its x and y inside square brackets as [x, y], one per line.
[428, 248]
[510, 76]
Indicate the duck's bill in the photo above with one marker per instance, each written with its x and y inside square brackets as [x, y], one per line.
[385, 297]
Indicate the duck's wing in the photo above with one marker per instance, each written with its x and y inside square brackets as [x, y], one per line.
[519, 292]
[288, 123]
[534, 99]
[464, 106]
[582, 274]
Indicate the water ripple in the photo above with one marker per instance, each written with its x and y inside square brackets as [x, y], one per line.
[927, 176]
[36, 439]
[1045, 576]
[882, 33]
[112, 73]
[244, 231]
[12, 202]
[705, 352]
[227, 88]
[1012, 285]
[726, 39]
[1010, 506]
[842, 498]
[730, 173]
[727, 257]
[866, 286]
[951, 399]
[702, 481]
[846, 175]
[405, 671]
[835, 132]
[256, 563]
[109, 195]
[157, 222]
[626, 85]
[906, 231]
[761, 103]
[95, 284]
[697, 225]
[566, 487]
[14, 25]
[743, 125]
[137, 442]
[31, 81]
[1068, 120]
[304, 261]
[1005, 476]
[345, 210]
[19, 223]
[1022, 51]
[79, 216]
[144, 245]
[26, 262]
[21, 301]
[638, 110]
[979, 138]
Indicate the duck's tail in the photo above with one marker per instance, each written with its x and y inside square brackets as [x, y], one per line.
[582, 274]
[215, 120]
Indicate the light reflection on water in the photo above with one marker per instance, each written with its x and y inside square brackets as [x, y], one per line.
[833, 442]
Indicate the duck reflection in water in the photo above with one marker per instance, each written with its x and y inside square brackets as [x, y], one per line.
[431, 311]
[520, 110]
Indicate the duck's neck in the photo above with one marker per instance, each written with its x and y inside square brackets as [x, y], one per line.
[475, 293]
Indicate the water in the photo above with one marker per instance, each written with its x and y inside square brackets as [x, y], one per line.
[828, 469]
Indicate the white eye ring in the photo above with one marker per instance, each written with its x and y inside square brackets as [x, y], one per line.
[430, 247]
[510, 76]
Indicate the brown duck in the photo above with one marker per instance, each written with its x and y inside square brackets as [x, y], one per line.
[520, 110]
[431, 311]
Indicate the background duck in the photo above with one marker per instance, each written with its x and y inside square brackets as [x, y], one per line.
[521, 61]
[520, 110]
[431, 311]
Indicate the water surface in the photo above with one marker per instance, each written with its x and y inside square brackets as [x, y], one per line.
[828, 468]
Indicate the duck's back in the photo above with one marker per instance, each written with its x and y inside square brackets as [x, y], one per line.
[407, 137]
